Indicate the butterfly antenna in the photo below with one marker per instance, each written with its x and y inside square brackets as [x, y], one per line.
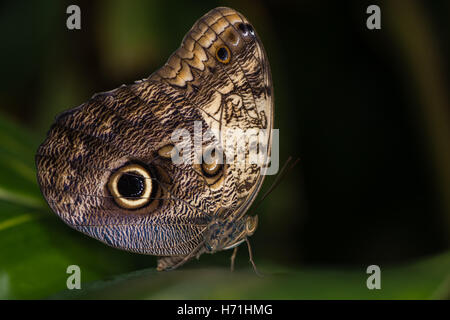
[284, 170]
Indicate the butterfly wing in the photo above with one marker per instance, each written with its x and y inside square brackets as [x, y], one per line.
[87, 145]
[234, 95]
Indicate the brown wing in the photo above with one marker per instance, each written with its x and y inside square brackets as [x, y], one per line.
[232, 95]
[88, 145]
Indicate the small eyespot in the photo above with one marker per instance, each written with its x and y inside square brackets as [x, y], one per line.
[212, 164]
[246, 29]
[250, 29]
[223, 54]
[243, 29]
[211, 170]
[131, 186]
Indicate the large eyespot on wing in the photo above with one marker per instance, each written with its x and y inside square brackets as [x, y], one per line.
[134, 186]
[94, 169]
[201, 81]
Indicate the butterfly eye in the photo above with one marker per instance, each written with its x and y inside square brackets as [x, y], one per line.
[251, 224]
[131, 186]
[223, 54]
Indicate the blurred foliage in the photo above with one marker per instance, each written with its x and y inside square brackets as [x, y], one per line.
[366, 111]
[429, 279]
[35, 246]
[36, 249]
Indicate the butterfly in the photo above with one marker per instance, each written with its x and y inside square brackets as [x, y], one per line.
[107, 168]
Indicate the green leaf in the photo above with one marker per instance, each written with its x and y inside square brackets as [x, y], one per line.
[35, 246]
[14, 140]
[427, 279]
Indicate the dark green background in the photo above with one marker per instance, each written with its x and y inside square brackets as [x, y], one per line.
[366, 111]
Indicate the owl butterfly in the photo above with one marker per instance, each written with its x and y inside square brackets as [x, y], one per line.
[106, 166]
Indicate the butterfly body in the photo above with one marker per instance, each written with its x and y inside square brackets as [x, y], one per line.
[106, 167]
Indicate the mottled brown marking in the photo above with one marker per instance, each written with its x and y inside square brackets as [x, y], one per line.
[192, 212]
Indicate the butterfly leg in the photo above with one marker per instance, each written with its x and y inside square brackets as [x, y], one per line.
[233, 258]
[251, 257]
